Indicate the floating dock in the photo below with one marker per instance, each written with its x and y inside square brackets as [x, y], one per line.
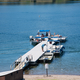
[35, 52]
[43, 51]
[31, 56]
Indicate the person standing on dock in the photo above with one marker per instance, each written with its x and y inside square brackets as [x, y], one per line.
[30, 57]
[43, 47]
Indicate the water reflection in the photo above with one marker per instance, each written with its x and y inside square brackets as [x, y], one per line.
[28, 70]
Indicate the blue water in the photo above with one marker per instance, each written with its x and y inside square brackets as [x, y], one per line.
[18, 22]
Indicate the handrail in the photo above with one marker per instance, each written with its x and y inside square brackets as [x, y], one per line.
[19, 66]
[12, 66]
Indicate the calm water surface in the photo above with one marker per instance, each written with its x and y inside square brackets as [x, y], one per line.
[18, 22]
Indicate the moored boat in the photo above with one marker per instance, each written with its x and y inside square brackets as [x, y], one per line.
[44, 35]
[58, 50]
[52, 48]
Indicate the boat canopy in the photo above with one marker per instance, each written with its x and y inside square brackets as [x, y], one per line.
[44, 30]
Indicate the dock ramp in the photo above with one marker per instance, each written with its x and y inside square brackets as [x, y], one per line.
[20, 65]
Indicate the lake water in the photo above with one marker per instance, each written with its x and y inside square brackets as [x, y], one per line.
[18, 22]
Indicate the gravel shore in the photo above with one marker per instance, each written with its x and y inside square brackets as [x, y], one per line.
[51, 77]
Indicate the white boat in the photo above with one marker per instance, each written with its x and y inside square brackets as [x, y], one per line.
[42, 35]
[58, 50]
[59, 37]
[55, 49]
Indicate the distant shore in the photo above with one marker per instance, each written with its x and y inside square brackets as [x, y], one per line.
[39, 1]
[51, 77]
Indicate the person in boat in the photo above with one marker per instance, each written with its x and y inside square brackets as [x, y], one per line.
[42, 37]
[38, 34]
[54, 33]
[37, 40]
[49, 34]
[57, 35]
[46, 34]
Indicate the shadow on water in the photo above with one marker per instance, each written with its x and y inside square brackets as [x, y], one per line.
[60, 55]
[29, 68]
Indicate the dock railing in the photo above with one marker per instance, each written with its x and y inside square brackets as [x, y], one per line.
[14, 64]
[20, 65]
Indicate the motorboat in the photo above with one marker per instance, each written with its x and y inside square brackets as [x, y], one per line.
[58, 49]
[59, 37]
[52, 48]
[43, 35]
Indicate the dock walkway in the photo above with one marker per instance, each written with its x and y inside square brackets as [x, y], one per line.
[34, 54]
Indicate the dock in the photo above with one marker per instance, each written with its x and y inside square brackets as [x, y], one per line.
[35, 52]
[31, 56]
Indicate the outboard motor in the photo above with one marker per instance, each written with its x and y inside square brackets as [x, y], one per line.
[31, 38]
[49, 38]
